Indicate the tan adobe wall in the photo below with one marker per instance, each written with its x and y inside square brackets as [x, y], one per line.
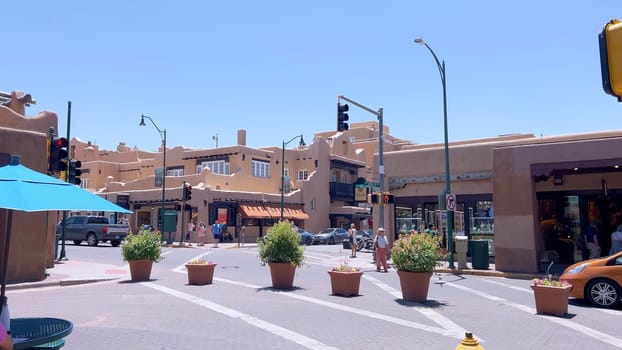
[32, 239]
[517, 233]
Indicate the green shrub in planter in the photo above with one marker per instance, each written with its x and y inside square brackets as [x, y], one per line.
[417, 252]
[142, 246]
[281, 245]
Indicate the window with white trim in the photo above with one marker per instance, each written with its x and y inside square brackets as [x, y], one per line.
[216, 166]
[286, 172]
[175, 172]
[260, 168]
[303, 174]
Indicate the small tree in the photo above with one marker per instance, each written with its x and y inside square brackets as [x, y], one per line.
[417, 252]
[142, 246]
[281, 245]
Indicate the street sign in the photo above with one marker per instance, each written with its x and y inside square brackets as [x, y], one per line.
[450, 202]
[158, 177]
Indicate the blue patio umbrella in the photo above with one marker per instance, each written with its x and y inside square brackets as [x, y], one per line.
[24, 189]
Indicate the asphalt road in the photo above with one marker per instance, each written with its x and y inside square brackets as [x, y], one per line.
[241, 311]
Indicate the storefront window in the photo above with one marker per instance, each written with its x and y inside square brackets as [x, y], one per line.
[482, 219]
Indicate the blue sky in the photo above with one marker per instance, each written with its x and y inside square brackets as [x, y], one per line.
[275, 68]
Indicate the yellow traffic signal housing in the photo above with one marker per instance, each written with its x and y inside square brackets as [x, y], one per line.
[610, 42]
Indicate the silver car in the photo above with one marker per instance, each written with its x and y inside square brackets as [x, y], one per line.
[330, 236]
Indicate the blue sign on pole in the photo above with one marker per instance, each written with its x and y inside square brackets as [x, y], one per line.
[158, 177]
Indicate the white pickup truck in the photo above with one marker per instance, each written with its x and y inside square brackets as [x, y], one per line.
[92, 229]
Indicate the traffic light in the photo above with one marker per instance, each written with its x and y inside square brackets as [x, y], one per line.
[373, 198]
[342, 117]
[75, 172]
[57, 160]
[388, 198]
[610, 44]
[187, 192]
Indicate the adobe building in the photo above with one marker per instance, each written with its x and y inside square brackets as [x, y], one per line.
[508, 188]
[501, 198]
[32, 239]
[511, 191]
[239, 186]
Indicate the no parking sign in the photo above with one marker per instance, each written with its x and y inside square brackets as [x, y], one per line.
[450, 202]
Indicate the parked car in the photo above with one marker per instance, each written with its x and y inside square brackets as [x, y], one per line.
[597, 280]
[330, 236]
[93, 229]
[306, 237]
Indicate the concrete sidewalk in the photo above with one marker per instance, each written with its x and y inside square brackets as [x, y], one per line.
[70, 272]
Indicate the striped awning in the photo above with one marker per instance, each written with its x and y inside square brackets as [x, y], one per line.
[259, 211]
[288, 213]
[296, 214]
[255, 211]
[275, 212]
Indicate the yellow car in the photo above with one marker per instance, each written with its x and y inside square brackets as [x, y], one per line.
[597, 280]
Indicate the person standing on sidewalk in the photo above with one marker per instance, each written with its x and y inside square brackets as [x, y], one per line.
[591, 240]
[190, 230]
[352, 239]
[616, 241]
[381, 250]
[216, 233]
[201, 233]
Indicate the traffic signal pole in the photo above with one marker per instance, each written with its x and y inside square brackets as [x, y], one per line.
[379, 114]
[62, 255]
[183, 212]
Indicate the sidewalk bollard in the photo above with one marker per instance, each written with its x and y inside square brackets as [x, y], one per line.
[469, 343]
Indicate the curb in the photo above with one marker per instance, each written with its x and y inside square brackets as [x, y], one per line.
[56, 283]
[490, 273]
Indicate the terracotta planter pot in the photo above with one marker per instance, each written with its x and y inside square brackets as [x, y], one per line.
[200, 274]
[345, 283]
[282, 275]
[551, 300]
[140, 270]
[414, 285]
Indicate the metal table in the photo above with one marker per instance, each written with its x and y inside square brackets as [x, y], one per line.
[39, 332]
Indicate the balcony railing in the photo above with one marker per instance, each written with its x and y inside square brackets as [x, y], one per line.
[342, 191]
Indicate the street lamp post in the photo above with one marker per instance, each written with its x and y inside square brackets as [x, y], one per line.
[163, 136]
[302, 143]
[450, 214]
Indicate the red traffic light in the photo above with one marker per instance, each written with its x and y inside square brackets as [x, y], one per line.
[60, 142]
[57, 154]
[187, 192]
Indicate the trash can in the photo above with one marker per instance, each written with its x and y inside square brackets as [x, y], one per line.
[479, 254]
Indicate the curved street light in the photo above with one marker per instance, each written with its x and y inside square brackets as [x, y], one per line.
[302, 143]
[163, 136]
[450, 214]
